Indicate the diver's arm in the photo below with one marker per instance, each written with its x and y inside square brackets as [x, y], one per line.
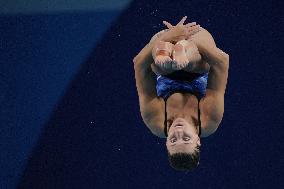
[212, 105]
[151, 106]
[145, 77]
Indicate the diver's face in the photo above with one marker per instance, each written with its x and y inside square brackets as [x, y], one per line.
[182, 137]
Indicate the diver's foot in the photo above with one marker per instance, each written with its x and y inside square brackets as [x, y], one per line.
[162, 55]
[180, 59]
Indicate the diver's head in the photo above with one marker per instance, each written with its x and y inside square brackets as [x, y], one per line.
[183, 144]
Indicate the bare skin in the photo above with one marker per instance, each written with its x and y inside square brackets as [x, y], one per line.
[182, 137]
[179, 54]
[169, 57]
[180, 106]
[200, 66]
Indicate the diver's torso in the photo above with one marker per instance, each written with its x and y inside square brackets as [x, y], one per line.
[182, 105]
[186, 104]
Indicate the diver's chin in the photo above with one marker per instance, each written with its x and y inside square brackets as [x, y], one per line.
[179, 122]
[178, 125]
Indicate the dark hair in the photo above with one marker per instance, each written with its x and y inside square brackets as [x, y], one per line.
[185, 161]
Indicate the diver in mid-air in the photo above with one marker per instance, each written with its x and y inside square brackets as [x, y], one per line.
[181, 78]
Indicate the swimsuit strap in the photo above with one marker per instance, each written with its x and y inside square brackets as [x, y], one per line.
[199, 120]
[165, 121]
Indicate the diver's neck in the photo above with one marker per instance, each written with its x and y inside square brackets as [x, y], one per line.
[188, 118]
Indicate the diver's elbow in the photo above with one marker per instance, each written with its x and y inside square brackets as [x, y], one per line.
[135, 59]
[209, 128]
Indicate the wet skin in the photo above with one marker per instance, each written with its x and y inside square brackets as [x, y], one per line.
[182, 137]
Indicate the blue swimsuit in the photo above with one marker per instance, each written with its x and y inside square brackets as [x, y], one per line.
[182, 82]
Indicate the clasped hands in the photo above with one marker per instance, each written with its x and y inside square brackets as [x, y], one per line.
[180, 31]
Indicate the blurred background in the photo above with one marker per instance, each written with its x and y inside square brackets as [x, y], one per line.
[69, 114]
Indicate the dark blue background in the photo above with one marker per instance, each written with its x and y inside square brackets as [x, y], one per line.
[95, 137]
